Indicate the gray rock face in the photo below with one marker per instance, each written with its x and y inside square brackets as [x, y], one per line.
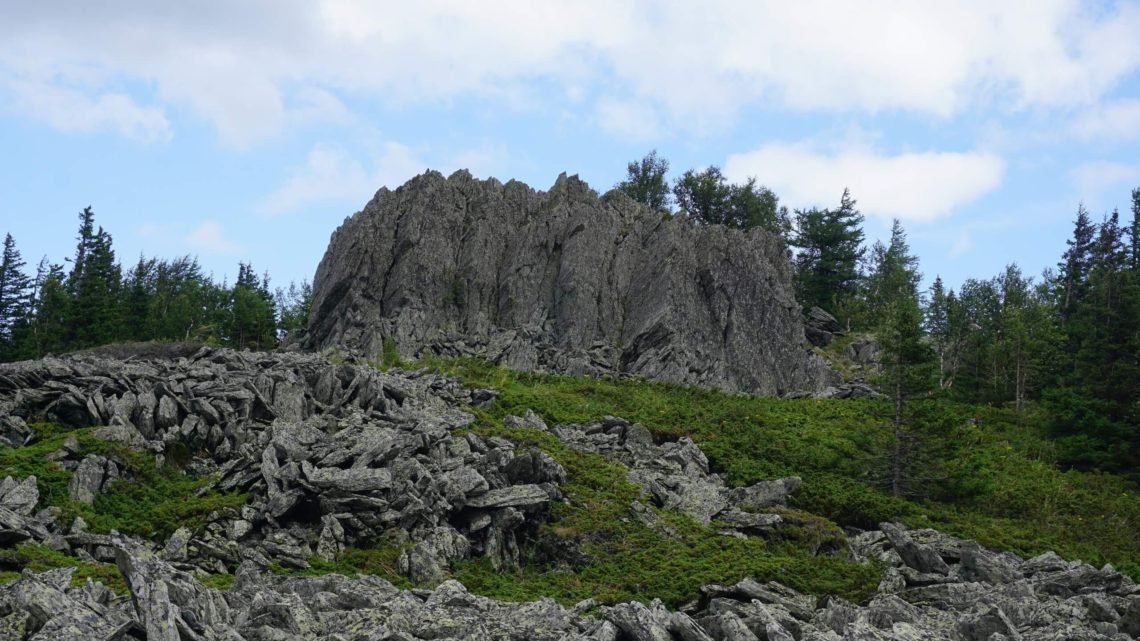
[820, 327]
[562, 281]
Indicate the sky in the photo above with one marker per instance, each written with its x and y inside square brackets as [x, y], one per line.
[248, 130]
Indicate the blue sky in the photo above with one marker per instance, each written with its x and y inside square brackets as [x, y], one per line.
[249, 130]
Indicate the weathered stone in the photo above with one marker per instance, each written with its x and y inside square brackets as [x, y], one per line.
[1129, 622]
[916, 555]
[637, 622]
[534, 466]
[801, 606]
[88, 479]
[525, 271]
[978, 564]
[765, 493]
[166, 415]
[820, 327]
[19, 496]
[350, 480]
[512, 496]
[982, 626]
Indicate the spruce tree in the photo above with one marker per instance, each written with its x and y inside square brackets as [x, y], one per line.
[95, 290]
[1074, 265]
[893, 275]
[51, 320]
[907, 364]
[829, 247]
[937, 324]
[251, 322]
[138, 292]
[15, 293]
[1134, 233]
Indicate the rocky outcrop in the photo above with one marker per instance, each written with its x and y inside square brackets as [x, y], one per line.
[562, 281]
[820, 327]
[328, 456]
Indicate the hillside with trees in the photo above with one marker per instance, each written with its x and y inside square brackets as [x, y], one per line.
[1067, 341]
[988, 465]
[93, 300]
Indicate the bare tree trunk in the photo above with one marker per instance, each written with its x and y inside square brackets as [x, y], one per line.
[897, 455]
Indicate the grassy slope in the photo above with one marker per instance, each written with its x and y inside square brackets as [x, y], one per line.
[147, 501]
[999, 485]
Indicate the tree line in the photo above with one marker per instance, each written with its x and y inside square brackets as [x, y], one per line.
[1068, 341]
[95, 301]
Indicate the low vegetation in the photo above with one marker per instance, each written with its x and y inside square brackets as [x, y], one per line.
[992, 475]
[146, 500]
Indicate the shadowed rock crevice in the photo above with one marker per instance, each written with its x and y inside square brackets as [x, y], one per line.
[563, 281]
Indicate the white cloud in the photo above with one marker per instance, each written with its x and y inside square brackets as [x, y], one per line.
[254, 68]
[74, 110]
[331, 175]
[1114, 121]
[1094, 179]
[210, 238]
[910, 186]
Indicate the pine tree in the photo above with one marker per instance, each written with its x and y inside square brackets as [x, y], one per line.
[830, 246]
[50, 323]
[1074, 266]
[15, 294]
[937, 325]
[95, 290]
[907, 365]
[1134, 233]
[893, 275]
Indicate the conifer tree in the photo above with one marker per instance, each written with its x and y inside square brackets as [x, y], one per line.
[15, 294]
[50, 323]
[829, 246]
[907, 365]
[1134, 233]
[293, 307]
[95, 283]
[1074, 266]
[893, 275]
[937, 325]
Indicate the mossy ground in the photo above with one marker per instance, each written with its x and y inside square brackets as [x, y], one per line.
[146, 501]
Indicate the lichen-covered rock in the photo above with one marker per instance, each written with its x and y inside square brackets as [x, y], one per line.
[563, 281]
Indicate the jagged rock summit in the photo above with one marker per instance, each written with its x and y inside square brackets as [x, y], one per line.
[563, 281]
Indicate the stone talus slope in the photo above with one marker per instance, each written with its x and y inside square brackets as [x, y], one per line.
[333, 455]
[562, 281]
